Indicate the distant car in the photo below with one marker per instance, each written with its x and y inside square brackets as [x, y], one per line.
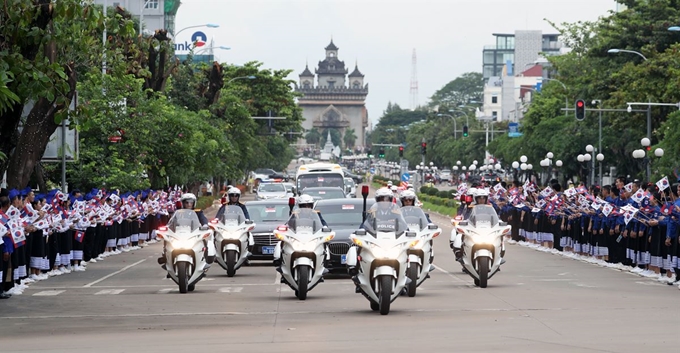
[262, 174]
[290, 189]
[267, 215]
[271, 191]
[445, 175]
[357, 178]
[350, 188]
[324, 192]
[343, 216]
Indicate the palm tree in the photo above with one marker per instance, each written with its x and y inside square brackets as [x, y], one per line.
[350, 138]
[313, 136]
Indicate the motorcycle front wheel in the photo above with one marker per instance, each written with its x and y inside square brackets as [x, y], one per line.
[183, 276]
[303, 281]
[230, 260]
[385, 294]
[413, 275]
[483, 271]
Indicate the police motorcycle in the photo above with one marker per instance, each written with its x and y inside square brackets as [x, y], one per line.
[379, 266]
[186, 242]
[421, 255]
[232, 237]
[483, 246]
[302, 249]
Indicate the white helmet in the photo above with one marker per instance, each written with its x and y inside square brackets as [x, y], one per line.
[389, 183]
[383, 194]
[305, 199]
[407, 194]
[394, 188]
[189, 197]
[233, 191]
[479, 193]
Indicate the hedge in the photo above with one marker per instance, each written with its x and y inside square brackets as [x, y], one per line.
[204, 202]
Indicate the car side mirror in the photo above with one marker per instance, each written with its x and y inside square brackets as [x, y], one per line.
[360, 232]
[432, 226]
[411, 234]
[463, 223]
[249, 221]
[326, 229]
[204, 227]
[502, 224]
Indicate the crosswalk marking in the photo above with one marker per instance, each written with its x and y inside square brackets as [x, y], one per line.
[46, 293]
[230, 290]
[109, 292]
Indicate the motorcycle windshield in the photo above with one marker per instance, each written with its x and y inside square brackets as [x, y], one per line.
[483, 216]
[233, 216]
[415, 218]
[304, 221]
[385, 217]
[184, 221]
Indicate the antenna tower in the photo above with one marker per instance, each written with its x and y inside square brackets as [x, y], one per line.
[414, 81]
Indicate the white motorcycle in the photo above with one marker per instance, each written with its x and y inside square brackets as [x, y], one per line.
[482, 243]
[381, 262]
[421, 256]
[232, 238]
[302, 250]
[186, 242]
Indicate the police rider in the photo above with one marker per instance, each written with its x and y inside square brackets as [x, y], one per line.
[233, 199]
[304, 201]
[188, 201]
[409, 198]
[481, 197]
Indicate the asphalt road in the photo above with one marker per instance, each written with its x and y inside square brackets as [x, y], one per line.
[539, 302]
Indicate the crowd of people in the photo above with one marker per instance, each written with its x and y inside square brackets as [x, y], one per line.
[46, 235]
[630, 226]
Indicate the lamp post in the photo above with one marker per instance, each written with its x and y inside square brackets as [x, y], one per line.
[558, 165]
[455, 127]
[581, 158]
[209, 48]
[209, 25]
[515, 167]
[642, 154]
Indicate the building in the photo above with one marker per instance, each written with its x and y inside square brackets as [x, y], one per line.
[516, 51]
[332, 99]
[155, 14]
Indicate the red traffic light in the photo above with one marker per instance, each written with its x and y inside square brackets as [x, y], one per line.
[579, 104]
[401, 148]
[424, 144]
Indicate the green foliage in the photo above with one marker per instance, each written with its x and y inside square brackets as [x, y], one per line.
[460, 91]
[349, 138]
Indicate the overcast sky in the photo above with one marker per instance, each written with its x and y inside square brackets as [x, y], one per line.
[380, 35]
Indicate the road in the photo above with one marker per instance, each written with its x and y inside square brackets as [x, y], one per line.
[539, 302]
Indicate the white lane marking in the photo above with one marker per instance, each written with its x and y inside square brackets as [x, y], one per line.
[333, 282]
[167, 290]
[552, 280]
[277, 279]
[230, 290]
[583, 285]
[113, 274]
[109, 292]
[449, 274]
[46, 293]
[652, 284]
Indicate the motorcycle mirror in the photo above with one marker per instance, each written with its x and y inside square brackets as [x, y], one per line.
[205, 227]
[325, 230]
[411, 234]
[249, 221]
[364, 191]
[360, 232]
[178, 205]
[463, 223]
[502, 224]
[223, 200]
[432, 226]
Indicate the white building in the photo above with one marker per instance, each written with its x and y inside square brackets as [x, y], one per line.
[155, 14]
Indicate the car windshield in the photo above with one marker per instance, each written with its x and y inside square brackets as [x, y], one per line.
[268, 213]
[385, 216]
[326, 194]
[304, 220]
[349, 182]
[343, 215]
[483, 217]
[184, 221]
[233, 216]
[272, 188]
[289, 187]
[264, 171]
[320, 180]
[414, 217]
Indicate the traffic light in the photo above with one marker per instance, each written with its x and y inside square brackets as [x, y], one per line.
[465, 131]
[423, 148]
[381, 154]
[401, 151]
[580, 109]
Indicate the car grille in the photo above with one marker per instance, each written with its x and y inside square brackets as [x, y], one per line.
[265, 238]
[338, 248]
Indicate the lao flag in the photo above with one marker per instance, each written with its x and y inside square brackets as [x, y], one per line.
[582, 190]
[662, 184]
[79, 236]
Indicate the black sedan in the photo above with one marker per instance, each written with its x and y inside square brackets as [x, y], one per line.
[324, 192]
[267, 215]
[343, 216]
[357, 178]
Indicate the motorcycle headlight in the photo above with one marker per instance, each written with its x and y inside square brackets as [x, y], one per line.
[382, 253]
[184, 244]
[487, 238]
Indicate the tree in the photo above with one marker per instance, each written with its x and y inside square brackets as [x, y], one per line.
[313, 136]
[336, 137]
[42, 44]
[463, 89]
[349, 138]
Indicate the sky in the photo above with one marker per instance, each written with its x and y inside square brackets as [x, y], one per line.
[379, 35]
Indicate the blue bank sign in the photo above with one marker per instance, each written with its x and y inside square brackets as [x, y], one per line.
[198, 39]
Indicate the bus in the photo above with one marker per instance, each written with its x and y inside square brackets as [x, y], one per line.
[319, 174]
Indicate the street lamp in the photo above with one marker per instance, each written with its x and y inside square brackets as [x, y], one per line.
[455, 126]
[674, 29]
[523, 159]
[642, 154]
[209, 25]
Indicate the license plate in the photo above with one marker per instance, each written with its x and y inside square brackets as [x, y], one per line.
[343, 259]
[268, 250]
